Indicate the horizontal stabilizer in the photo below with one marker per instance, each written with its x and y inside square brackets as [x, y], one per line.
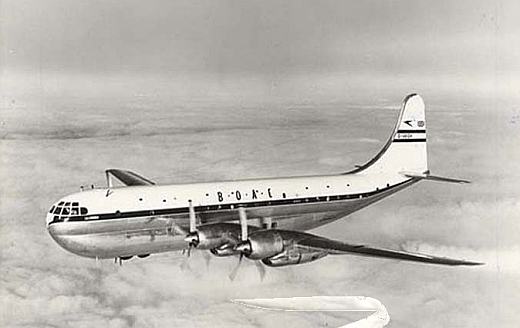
[428, 176]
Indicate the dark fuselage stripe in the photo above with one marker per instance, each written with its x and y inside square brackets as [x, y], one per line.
[217, 207]
[411, 131]
[410, 140]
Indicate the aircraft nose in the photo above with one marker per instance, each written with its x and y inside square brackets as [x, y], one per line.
[48, 219]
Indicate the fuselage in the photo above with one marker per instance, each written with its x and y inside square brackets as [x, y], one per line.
[145, 219]
[127, 221]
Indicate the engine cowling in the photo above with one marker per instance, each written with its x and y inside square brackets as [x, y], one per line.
[211, 236]
[264, 244]
[293, 257]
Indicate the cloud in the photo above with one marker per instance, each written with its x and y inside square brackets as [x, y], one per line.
[44, 285]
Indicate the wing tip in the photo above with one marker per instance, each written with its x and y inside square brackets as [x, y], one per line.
[470, 263]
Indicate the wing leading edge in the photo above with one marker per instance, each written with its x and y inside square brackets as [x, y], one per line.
[338, 248]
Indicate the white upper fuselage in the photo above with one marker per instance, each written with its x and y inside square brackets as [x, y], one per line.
[240, 192]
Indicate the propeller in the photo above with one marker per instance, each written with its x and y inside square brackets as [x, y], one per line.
[244, 247]
[261, 270]
[192, 238]
[207, 258]
[259, 266]
[243, 223]
[243, 240]
[233, 273]
[185, 264]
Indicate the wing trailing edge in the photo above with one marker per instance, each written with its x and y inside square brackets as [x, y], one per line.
[340, 248]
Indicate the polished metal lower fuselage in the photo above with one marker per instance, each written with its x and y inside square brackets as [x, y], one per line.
[129, 236]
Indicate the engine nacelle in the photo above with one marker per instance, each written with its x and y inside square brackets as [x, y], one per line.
[215, 235]
[293, 257]
[264, 244]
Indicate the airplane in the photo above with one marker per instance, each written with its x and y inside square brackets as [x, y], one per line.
[261, 219]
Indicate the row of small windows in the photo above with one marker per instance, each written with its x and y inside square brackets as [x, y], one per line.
[237, 193]
[164, 200]
[66, 210]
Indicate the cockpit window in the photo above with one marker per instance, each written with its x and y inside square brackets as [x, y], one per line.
[65, 211]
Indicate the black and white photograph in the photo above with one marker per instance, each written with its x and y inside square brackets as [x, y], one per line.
[234, 163]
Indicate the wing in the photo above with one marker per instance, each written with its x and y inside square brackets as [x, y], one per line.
[129, 178]
[335, 247]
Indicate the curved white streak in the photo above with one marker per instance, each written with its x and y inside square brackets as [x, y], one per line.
[379, 318]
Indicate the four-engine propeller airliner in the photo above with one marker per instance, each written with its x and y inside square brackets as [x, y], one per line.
[261, 219]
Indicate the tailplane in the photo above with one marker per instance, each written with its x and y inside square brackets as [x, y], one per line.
[428, 176]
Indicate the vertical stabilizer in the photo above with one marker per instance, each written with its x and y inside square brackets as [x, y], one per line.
[405, 151]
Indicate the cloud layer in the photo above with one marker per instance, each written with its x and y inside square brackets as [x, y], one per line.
[43, 285]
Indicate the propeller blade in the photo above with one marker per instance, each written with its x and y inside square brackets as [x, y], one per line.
[233, 273]
[207, 258]
[185, 262]
[193, 218]
[243, 223]
[261, 269]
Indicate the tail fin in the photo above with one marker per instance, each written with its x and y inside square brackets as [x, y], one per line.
[405, 151]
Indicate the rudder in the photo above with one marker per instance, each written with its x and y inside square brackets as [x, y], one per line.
[405, 150]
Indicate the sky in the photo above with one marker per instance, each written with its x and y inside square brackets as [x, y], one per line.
[267, 48]
[205, 90]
